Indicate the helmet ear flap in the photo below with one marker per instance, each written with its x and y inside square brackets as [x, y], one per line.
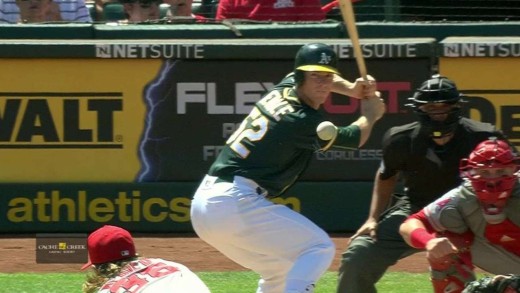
[464, 166]
[299, 77]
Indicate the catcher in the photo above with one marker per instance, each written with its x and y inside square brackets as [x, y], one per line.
[477, 223]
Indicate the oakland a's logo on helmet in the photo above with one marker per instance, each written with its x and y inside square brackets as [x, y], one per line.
[325, 59]
[314, 57]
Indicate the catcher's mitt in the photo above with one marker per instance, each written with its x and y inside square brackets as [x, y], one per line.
[497, 284]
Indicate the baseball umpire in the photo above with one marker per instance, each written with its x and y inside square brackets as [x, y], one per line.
[423, 157]
[263, 158]
[477, 223]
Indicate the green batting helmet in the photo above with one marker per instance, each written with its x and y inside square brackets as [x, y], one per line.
[315, 57]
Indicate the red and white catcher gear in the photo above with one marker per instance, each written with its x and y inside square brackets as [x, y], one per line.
[494, 191]
[450, 273]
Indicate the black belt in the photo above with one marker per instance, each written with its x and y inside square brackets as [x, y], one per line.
[229, 179]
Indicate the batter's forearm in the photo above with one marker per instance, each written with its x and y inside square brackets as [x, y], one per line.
[359, 89]
[365, 128]
[343, 87]
[372, 109]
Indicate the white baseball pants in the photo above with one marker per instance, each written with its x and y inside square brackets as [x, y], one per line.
[288, 250]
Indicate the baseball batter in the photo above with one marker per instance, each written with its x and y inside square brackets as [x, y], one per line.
[424, 158]
[231, 209]
[477, 223]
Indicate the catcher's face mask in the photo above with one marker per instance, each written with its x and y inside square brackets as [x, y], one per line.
[492, 170]
[437, 104]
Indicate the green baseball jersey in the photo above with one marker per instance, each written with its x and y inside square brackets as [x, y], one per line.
[276, 141]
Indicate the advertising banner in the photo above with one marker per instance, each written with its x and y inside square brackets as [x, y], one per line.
[193, 113]
[98, 133]
[487, 70]
[159, 207]
[65, 120]
[140, 118]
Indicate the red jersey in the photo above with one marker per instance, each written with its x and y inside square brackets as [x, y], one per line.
[274, 10]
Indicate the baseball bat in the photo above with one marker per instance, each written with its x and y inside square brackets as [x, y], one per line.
[347, 12]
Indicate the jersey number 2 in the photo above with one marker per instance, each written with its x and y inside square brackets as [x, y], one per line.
[253, 128]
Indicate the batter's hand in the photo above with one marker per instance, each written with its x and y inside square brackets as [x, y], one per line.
[362, 89]
[368, 228]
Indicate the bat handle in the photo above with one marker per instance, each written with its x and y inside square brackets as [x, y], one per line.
[347, 12]
[361, 64]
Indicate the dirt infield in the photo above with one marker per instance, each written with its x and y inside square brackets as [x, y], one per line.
[18, 254]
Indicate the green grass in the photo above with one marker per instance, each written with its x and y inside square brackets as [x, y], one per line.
[45, 283]
[246, 282]
[218, 282]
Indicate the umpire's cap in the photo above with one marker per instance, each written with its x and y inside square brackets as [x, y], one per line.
[109, 244]
[316, 57]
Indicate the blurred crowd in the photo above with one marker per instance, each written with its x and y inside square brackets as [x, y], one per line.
[133, 11]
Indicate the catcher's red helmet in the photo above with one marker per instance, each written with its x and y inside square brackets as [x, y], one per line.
[492, 170]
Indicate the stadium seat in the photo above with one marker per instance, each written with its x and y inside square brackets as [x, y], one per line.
[206, 8]
[92, 10]
[163, 9]
[113, 11]
[195, 7]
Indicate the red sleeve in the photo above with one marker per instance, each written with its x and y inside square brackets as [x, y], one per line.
[328, 7]
[419, 237]
[308, 10]
[231, 9]
[421, 216]
[199, 17]
[303, 10]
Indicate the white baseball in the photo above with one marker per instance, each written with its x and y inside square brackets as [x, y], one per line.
[326, 130]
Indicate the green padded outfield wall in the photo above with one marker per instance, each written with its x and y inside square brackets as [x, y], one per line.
[196, 31]
[158, 207]
[93, 119]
